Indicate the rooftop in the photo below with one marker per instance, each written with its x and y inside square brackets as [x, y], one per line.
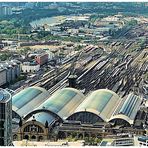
[42, 117]
[100, 102]
[4, 96]
[28, 99]
[143, 138]
[63, 102]
[128, 108]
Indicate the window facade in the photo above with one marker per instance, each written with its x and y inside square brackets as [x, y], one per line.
[85, 117]
[33, 128]
[6, 120]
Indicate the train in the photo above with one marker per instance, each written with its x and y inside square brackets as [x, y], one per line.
[65, 61]
[48, 73]
[87, 60]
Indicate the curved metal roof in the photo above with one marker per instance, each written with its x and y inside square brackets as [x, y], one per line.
[63, 102]
[42, 117]
[101, 102]
[28, 99]
[128, 109]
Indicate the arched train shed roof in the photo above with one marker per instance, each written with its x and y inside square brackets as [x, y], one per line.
[42, 117]
[128, 108]
[63, 102]
[101, 102]
[28, 99]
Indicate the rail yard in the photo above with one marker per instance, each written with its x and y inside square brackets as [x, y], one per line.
[120, 70]
[83, 79]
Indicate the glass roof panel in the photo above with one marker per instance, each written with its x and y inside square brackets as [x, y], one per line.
[57, 101]
[97, 100]
[42, 117]
[25, 96]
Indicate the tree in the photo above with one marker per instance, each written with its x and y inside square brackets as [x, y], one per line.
[69, 138]
[132, 22]
[25, 50]
[5, 56]
[97, 140]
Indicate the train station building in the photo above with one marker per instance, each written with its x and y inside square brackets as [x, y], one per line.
[37, 115]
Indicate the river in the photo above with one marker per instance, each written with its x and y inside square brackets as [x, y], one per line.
[50, 21]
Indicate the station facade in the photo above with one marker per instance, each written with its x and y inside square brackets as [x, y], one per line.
[41, 116]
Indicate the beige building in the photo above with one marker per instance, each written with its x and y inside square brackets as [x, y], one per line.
[30, 67]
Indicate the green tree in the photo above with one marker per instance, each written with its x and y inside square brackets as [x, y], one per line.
[5, 56]
[25, 50]
[132, 22]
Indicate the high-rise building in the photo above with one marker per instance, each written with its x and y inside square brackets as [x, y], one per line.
[5, 118]
[5, 10]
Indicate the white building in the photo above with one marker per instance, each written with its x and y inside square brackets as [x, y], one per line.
[117, 142]
[30, 67]
[110, 19]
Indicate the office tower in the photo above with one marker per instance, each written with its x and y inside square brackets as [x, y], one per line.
[5, 118]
